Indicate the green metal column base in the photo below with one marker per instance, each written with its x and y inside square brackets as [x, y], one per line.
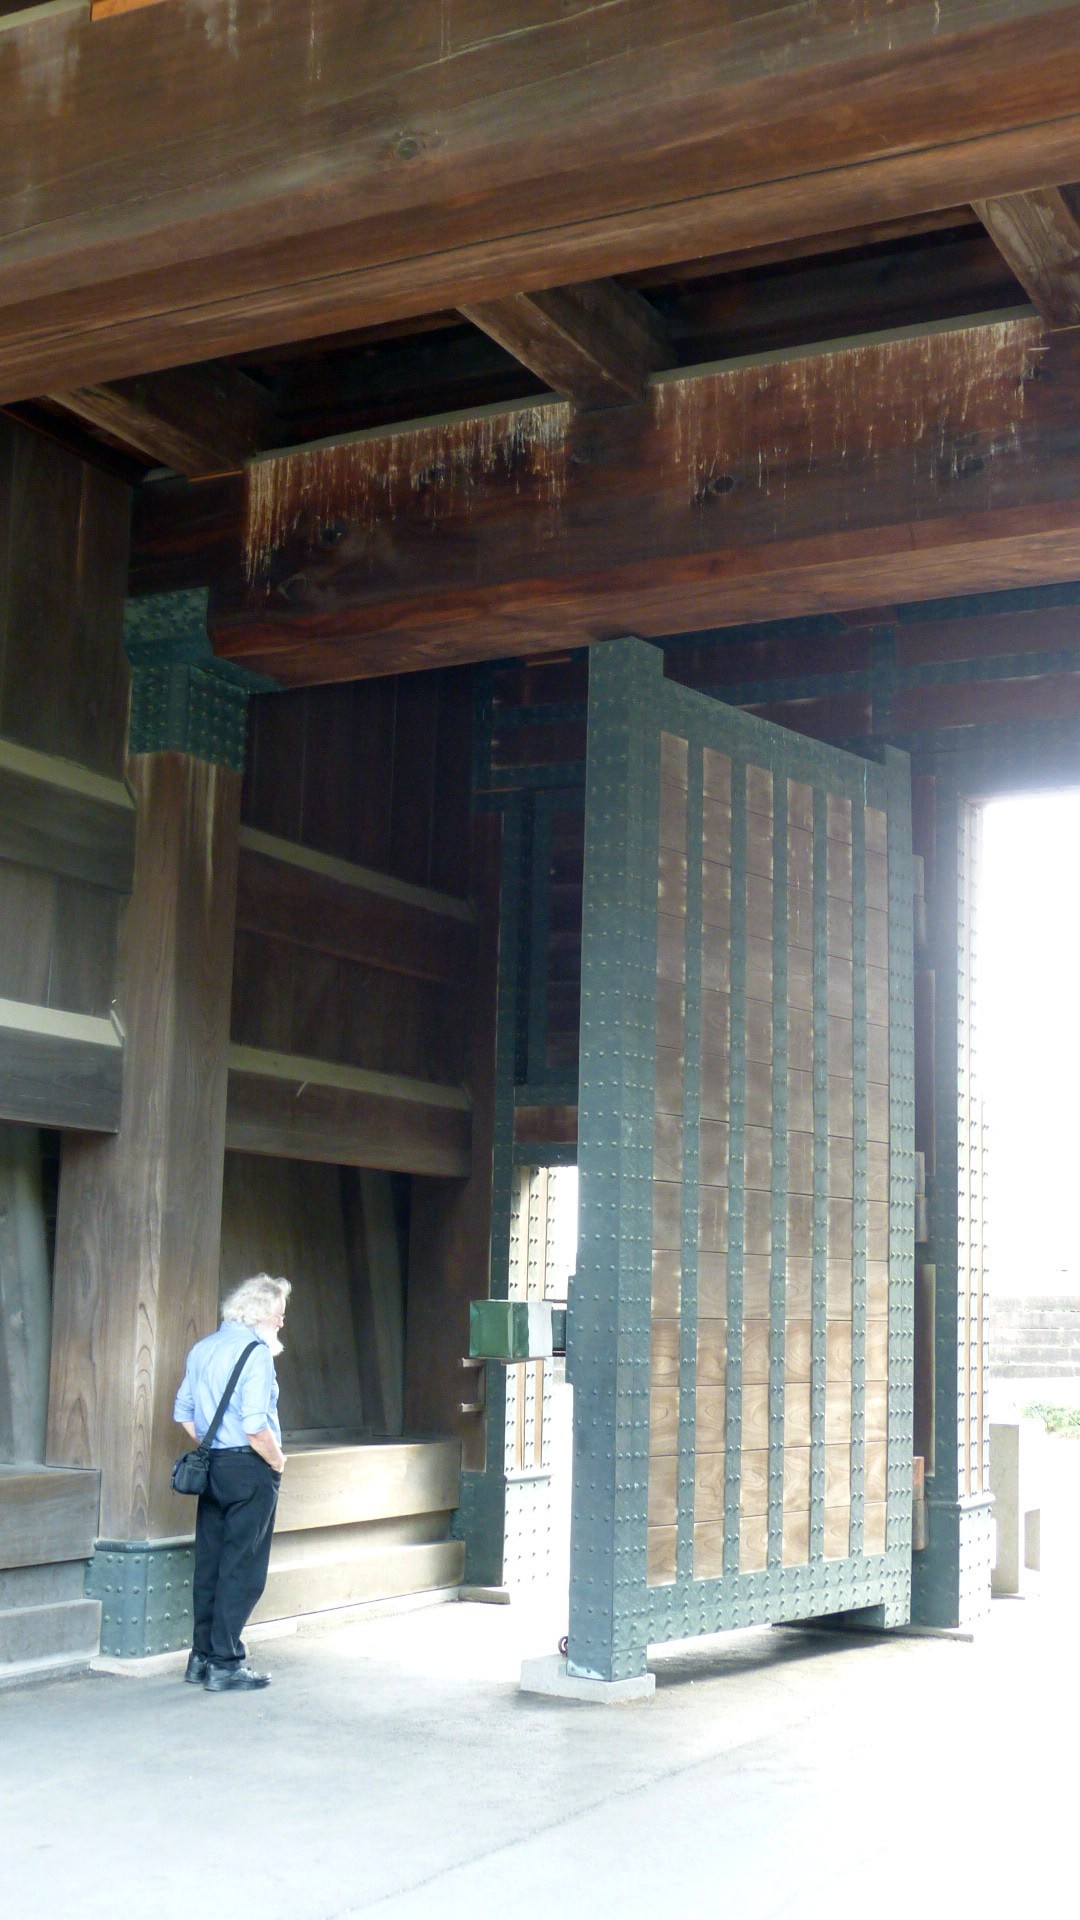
[951, 1576]
[480, 1521]
[144, 1587]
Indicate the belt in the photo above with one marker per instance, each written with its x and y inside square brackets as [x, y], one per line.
[232, 1450]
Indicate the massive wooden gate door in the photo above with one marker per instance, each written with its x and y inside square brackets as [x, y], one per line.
[741, 1320]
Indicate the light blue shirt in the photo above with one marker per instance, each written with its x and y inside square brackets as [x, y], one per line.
[253, 1405]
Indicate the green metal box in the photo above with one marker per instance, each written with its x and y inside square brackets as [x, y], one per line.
[510, 1330]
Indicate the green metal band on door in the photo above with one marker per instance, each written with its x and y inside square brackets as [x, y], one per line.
[691, 1161]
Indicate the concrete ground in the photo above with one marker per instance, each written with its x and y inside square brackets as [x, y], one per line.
[393, 1770]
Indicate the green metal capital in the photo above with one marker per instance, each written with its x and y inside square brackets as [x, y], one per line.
[182, 696]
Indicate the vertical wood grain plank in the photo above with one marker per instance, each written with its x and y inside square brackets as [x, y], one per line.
[450, 1228]
[375, 720]
[285, 1217]
[64, 678]
[415, 750]
[24, 1298]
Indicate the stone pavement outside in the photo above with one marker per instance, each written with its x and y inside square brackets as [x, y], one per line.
[394, 1771]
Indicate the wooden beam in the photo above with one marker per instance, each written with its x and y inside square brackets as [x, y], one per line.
[293, 893]
[898, 468]
[47, 1515]
[1039, 235]
[65, 819]
[302, 1109]
[319, 179]
[59, 1069]
[199, 420]
[596, 344]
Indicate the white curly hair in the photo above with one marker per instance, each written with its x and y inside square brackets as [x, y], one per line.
[256, 1299]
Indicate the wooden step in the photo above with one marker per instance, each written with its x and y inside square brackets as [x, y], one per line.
[326, 1486]
[388, 1573]
[35, 1639]
[368, 1521]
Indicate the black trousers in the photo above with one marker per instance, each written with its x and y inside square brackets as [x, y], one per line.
[234, 1526]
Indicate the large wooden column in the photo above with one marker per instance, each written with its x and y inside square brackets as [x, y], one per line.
[138, 1230]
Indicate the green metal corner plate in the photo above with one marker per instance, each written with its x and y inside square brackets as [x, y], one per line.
[183, 698]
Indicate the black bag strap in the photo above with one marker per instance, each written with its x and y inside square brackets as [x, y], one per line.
[210, 1435]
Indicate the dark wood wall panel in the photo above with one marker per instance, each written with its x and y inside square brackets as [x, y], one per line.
[62, 830]
[83, 972]
[295, 1000]
[64, 531]
[27, 916]
[288, 900]
[66, 833]
[286, 1217]
[377, 773]
[380, 775]
[57, 941]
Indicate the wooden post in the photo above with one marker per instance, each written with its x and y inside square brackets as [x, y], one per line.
[138, 1229]
[24, 1298]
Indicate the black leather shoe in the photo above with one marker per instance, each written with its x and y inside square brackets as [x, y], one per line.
[234, 1680]
[195, 1671]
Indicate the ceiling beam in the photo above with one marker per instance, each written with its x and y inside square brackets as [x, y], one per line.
[198, 420]
[320, 179]
[897, 468]
[1038, 234]
[595, 344]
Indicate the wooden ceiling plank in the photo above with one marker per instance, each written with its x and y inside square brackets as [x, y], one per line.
[651, 106]
[199, 420]
[1038, 234]
[595, 344]
[482, 167]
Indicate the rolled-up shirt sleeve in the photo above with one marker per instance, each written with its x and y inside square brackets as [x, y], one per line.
[184, 1404]
[255, 1391]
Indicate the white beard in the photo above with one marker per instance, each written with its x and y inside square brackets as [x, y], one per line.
[274, 1343]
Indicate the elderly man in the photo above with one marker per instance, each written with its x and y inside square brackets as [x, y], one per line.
[235, 1519]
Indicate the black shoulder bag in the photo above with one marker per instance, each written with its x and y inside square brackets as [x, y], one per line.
[191, 1472]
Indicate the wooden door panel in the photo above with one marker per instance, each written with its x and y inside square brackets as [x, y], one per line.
[741, 1322]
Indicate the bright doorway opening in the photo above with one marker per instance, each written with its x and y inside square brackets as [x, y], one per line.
[539, 1401]
[1027, 1032]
